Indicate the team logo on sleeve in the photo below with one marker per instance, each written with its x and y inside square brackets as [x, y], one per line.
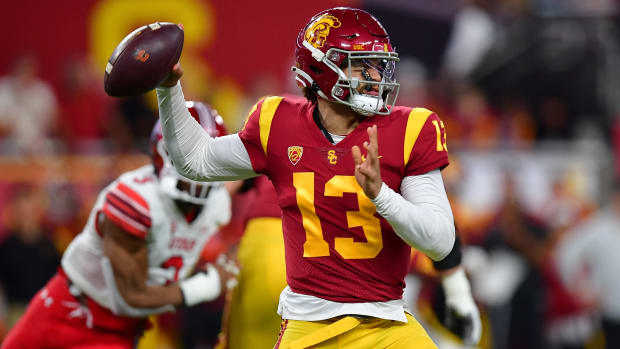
[294, 154]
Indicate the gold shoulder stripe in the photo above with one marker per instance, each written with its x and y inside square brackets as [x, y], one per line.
[267, 111]
[417, 118]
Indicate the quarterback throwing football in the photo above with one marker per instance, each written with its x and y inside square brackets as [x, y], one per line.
[358, 181]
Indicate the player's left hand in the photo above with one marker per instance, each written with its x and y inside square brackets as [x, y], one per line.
[462, 315]
[368, 171]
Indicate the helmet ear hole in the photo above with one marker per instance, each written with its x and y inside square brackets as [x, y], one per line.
[315, 69]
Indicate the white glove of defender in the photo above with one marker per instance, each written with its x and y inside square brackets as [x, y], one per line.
[463, 316]
[201, 287]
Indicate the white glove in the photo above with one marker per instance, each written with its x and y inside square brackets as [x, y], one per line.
[201, 287]
[462, 315]
[230, 268]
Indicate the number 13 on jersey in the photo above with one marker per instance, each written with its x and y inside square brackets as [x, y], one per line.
[315, 245]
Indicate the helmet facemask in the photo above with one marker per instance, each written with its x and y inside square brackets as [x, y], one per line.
[366, 96]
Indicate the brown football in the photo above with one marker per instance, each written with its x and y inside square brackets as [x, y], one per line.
[143, 59]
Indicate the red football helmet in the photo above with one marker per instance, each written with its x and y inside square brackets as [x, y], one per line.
[172, 183]
[341, 38]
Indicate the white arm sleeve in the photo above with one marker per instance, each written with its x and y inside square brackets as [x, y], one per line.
[422, 216]
[194, 153]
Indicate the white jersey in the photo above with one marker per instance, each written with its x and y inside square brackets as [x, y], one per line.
[135, 203]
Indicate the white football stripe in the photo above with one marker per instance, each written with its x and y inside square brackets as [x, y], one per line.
[128, 200]
[127, 219]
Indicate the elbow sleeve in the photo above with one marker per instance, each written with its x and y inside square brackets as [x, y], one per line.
[441, 241]
[452, 259]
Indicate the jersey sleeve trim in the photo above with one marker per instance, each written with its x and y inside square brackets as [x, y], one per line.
[129, 194]
[437, 164]
[128, 210]
[415, 122]
[267, 111]
[125, 222]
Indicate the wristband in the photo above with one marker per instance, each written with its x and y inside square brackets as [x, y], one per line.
[202, 287]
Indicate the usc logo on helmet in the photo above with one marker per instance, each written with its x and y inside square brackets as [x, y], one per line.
[317, 32]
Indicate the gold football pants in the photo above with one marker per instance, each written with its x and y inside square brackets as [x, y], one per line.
[254, 321]
[350, 332]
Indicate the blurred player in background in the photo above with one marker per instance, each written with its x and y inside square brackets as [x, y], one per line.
[587, 261]
[134, 257]
[252, 320]
[349, 219]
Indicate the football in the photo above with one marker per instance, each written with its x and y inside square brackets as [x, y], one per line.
[143, 59]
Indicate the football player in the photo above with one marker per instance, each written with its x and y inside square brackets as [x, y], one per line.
[262, 277]
[134, 257]
[251, 319]
[358, 182]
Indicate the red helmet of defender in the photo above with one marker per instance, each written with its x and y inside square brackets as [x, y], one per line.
[341, 38]
[172, 183]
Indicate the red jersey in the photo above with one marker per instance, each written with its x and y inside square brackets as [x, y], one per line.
[264, 200]
[337, 247]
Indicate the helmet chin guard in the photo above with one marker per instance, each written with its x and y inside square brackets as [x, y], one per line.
[365, 104]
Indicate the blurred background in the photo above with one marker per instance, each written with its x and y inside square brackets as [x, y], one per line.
[528, 90]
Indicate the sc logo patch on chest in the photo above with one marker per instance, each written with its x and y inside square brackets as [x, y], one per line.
[332, 157]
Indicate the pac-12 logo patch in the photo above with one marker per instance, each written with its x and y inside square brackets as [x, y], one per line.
[294, 154]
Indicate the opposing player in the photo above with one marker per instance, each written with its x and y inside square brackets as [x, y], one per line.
[348, 218]
[133, 258]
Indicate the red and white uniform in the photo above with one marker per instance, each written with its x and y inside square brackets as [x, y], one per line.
[135, 203]
[75, 309]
